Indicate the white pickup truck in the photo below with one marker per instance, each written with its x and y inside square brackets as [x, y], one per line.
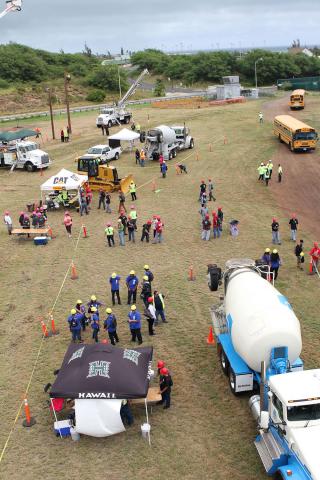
[104, 153]
[113, 116]
[24, 154]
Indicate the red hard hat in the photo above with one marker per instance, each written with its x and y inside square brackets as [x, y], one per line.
[158, 217]
[161, 364]
[149, 222]
[132, 206]
[207, 216]
[109, 224]
[6, 212]
[150, 299]
[21, 213]
[274, 219]
[219, 208]
[104, 340]
[66, 213]
[164, 371]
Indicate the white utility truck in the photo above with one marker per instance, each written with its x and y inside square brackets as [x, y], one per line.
[104, 152]
[167, 141]
[117, 114]
[259, 343]
[23, 154]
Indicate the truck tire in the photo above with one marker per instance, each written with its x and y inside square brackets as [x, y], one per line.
[170, 155]
[224, 362]
[174, 153]
[109, 124]
[116, 157]
[126, 120]
[232, 382]
[191, 143]
[160, 137]
[29, 167]
[142, 137]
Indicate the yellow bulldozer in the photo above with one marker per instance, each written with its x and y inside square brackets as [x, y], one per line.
[103, 177]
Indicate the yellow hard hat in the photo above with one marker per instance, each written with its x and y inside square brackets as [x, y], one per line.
[267, 250]
[73, 311]
[79, 301]
[108, 310]
[274, 251]
[132, 272]
[302, 254]
[145, 277]
[133, 307]
[93, 298]
[146, 267]
[114, 275]
[93, 309]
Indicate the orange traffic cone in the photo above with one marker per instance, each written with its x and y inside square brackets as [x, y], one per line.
[29, 421]
[45, 332]
[85, 231]
[191, 276]
[225, 140]
[311, 266]
[54, 331]
[210, 339]
[74, 274]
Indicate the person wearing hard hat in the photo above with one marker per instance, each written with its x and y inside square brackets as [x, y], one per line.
[261, 170]
[74, 325]
[270, 168]
[260, 117]
[132, 190]
[133, 214]
[8, 222]
[158, 301]
[150, 314]
[315, 254]
[203, 188]
[131, 229]
[95, 324]
[298, 251]
[165, 385]
[211, 190]
[164, 169]
[160, 365]
[148, 272]
[146, 227]
[109, 231]
[266, 256]
[81, 312]
[93, 303]
[134, 319]
[206, 228]
[280, 172]
[132, 282]
[275, 263]
[114, 281]
[120, 228]
[145, 290]
[110, 325]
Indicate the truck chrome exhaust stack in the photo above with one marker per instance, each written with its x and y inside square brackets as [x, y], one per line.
[254, 405]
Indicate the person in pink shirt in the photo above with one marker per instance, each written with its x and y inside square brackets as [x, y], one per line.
[68, 223]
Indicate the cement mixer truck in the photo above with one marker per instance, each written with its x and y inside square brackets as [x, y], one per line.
[259, 344]
[167, 141]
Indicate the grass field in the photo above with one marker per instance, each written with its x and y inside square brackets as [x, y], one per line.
[208, 433]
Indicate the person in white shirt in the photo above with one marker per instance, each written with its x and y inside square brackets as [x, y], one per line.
[150, 314]
[8, 221]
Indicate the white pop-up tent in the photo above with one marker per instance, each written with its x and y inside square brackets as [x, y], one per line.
[124, 135]
[64, 180]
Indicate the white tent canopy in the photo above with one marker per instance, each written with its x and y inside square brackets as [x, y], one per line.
[125, 135]
[65, 180]
[98, 418]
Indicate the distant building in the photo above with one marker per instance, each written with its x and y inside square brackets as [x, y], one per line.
[117, 60]
[305, 51]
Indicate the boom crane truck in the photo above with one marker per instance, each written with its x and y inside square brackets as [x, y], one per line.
[259, 344]
[115, 115]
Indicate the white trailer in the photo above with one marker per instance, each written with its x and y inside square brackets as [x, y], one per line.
[167, 141]
[24, 154]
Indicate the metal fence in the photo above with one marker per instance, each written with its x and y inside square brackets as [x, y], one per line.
[307, 83]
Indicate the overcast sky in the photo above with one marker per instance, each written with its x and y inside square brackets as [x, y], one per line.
[165, 24]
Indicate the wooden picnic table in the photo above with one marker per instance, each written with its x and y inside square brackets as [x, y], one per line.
[153, 397]
[31, 231]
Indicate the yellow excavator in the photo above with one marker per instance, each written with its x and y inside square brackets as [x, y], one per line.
[103, 177]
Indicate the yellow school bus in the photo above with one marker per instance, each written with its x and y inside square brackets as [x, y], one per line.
[297, 99]
[296, 134]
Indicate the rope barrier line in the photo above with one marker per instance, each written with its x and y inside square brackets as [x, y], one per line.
[39, 352]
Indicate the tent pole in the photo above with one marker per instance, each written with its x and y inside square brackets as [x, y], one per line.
[146, 405]
[55, 415]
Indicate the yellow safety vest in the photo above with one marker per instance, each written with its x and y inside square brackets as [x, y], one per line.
[133, 215]
[132, 187]
[109, 231]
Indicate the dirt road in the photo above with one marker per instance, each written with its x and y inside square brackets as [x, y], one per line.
[299, 190]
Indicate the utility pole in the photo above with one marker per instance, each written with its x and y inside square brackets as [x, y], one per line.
[49, 91]
[255, 70]
[67, 79]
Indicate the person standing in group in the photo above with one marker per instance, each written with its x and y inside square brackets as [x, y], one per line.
[134, 319]
[206, 227]
[8, 222]
[122, 200]
[293, 222]
[68, 223]
[109, 231]
[154, 224]
[261, 170]
[203, 210]
[161, 160]
[211, 190]
[275, 231]
[21, 219]
[132, 190]
[95, 328]
[164, 169]
[114, 281]
[75, 326]
[270, 168]
[203, 188]
[133, 214]
[145, 290]
[159, 231]
[150, 314]
[220, 218]
[62, 136]
[298, 251]
[124, 221]
[94, 303]
[266, 175]
[131, 229]
[81, 312]
[165, 388]
[314, 254]
[102, 197]
[142, 158]
[203, 199]
[108, 202]
[66, 135]
[266, 256]
[132, 282]
[83, 205]
[137, 154]
[275, 263]
[146, 231]
[158, 301]
[215, 225]
[148, 273]
[260, 118]
[121, 232]
[110, 325]
[88, 195]
[279, 173]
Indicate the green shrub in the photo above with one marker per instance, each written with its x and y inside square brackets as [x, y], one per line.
[4, 84]
[96, 96]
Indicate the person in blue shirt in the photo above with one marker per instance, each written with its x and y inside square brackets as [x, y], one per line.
[95, 327]
[110, 324]
[75, 326]
[94, 303]
[164, 169]
[148, 273]
[135, 324]
[132, 282]
[266, 256]
[115, 287]
[81, 311]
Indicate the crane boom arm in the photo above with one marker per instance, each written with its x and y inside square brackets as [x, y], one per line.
[133, 88]
[12, 5]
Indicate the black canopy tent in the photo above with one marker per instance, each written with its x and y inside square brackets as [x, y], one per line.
[103, 371]
[17, 134]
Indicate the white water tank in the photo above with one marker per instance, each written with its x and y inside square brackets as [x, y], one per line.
[261, 318]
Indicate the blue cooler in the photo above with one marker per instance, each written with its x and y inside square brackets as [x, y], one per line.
[62, 427]
[40, 240]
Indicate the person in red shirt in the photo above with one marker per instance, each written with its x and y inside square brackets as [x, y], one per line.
[159, 230]
[68, 223]
[215, 225]
[315, 254]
